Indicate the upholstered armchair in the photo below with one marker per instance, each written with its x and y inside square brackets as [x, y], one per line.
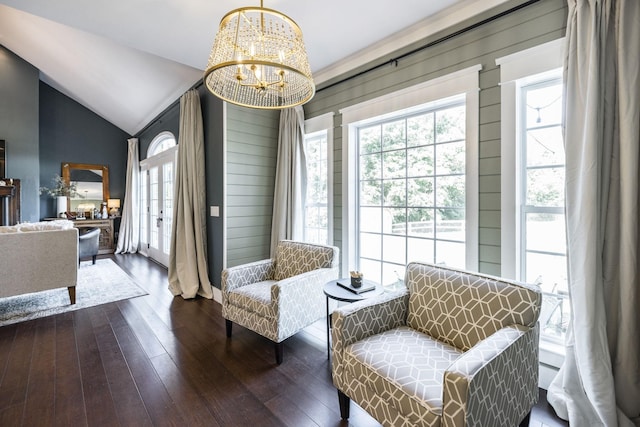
[453, 349]
[278, 297]
[88, 243]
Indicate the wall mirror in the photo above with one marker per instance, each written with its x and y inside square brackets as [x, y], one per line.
[92, 184]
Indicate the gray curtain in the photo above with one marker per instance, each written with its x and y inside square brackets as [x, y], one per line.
[599, 382]
[291, 179]
[129, 234]
[188, 274]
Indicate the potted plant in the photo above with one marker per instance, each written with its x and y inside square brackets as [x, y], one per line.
[61, 191]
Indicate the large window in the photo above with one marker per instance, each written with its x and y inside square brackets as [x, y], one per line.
[409, 178]
[543, 258]
[411, 193]
[532, 185]
[318, 150]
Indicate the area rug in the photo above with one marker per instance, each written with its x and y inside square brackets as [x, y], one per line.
[98, 284]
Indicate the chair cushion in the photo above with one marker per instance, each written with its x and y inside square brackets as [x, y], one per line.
[404, 367]
[462, 308]
[293, 258]
[255, 297]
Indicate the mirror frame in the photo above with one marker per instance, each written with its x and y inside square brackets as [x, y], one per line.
[66, 176]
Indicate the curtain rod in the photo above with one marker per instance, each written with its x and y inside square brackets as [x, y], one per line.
[433, 43]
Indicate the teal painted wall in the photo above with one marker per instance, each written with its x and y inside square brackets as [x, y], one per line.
[71, 133]
[19, 113]
[533, 25]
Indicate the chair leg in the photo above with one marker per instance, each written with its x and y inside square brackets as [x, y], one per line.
[279, 352]
[93, 258]
[228, 324]
[344, 401]
[525, 420]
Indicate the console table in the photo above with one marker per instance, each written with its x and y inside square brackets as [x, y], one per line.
[106, 226]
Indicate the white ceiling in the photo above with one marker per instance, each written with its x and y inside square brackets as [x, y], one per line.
[127, 60]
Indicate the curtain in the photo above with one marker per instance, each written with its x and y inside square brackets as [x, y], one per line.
[128, 236]
[188, 274]
[599, 382]
[291, 179]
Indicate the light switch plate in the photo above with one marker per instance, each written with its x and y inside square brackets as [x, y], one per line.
[215, 211]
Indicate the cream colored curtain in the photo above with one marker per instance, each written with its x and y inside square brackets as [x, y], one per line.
[129, 234]
[599, 382]
[291, 179]
[188, 273]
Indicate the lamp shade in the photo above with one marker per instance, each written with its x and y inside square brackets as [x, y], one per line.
[113, 203]
[258, 60]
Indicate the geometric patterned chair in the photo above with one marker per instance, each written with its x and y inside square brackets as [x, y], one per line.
[453, 349]
[278, 297]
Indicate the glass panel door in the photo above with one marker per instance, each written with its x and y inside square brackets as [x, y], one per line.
[158, 172]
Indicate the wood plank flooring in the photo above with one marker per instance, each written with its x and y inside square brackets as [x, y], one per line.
[157, 360]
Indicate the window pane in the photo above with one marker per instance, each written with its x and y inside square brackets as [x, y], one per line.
[393, 135]
[546, 233]
[450, 224]
[544, 106]
[545, 147]
[545, 187]
[420, 250]
[370, 193]
[371, 166]
[371, 219]
[450, 253]
[420, 222]
[450, 191]
[394, 164]
[369, 139]
[549, 271]
[393, 249]
[450, 124]
[394, 221]
[420, 161]
[371, 245]
[450, 158]
[395, 193]
[420, 192]
[420, 130]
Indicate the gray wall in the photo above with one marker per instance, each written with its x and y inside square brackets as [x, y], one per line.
[19, 128]
[71, 133]
[213, 124]
[533, 25]
[252, 145]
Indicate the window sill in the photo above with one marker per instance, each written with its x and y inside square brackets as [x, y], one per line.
[551, 357]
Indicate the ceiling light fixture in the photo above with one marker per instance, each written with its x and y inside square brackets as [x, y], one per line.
[258, 60]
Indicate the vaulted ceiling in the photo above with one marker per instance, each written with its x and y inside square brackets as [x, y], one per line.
[127, 60]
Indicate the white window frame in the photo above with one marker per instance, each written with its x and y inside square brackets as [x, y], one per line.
[517, 70]
[324, 123]
[159, 138]
[405, 101]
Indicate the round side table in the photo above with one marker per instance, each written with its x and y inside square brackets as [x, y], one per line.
[336, 292]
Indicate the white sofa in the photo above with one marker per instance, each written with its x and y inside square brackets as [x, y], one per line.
[37, 257]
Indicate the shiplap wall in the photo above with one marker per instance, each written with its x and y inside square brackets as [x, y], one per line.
[535, 24]
[251, 151]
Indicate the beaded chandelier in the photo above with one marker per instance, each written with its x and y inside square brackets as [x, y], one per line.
[258, 60]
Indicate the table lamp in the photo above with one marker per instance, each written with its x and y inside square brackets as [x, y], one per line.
[114, 206]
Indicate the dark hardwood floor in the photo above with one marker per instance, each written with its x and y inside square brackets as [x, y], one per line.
[159, 360]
